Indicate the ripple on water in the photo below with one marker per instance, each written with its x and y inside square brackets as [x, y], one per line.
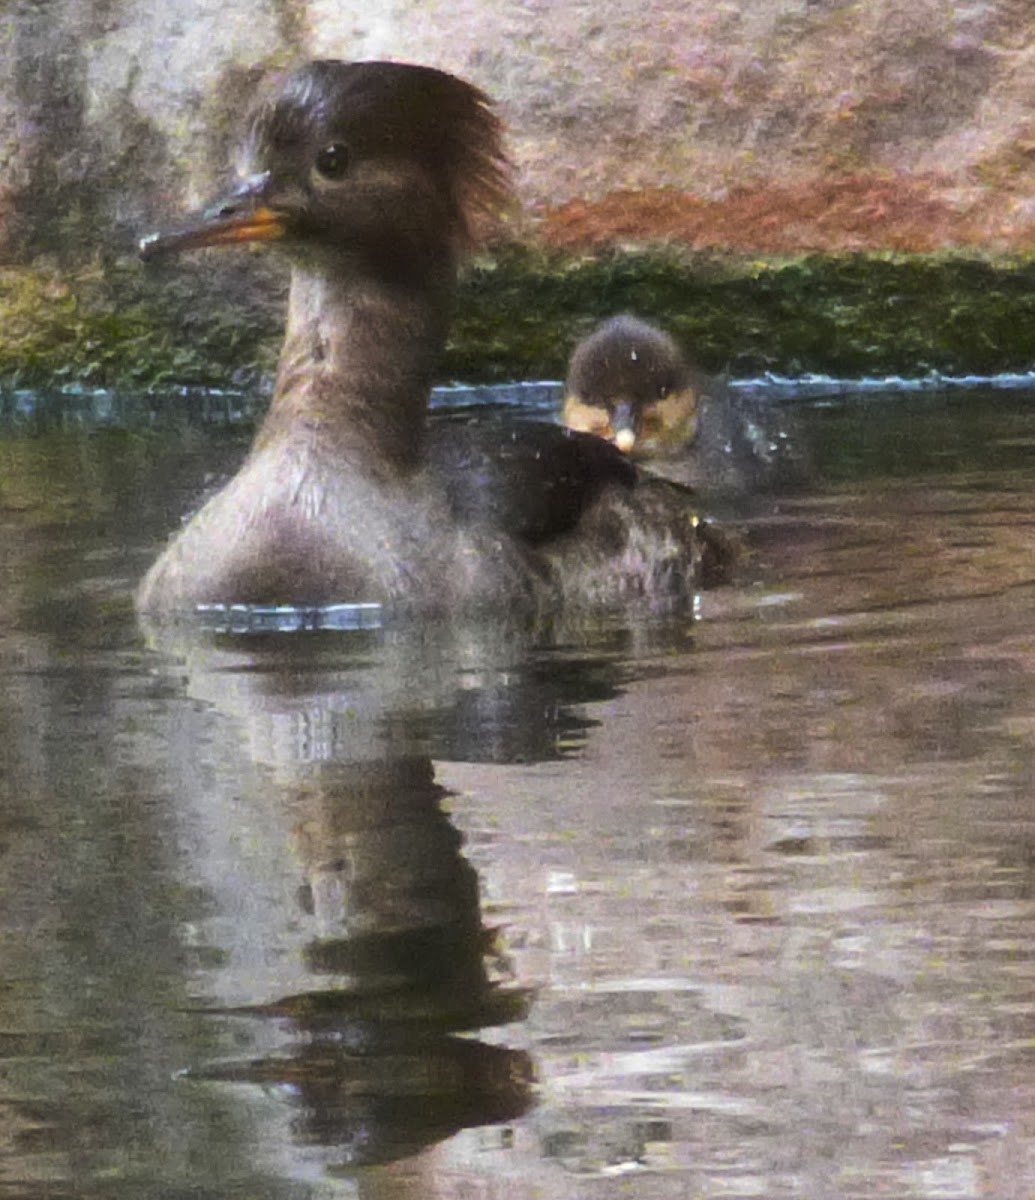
[771, 884]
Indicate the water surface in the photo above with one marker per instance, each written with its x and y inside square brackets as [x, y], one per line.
[743, 908]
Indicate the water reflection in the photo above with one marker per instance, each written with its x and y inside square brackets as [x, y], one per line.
[372, 954]
[750, 912]
[380, 960]
[346, 919]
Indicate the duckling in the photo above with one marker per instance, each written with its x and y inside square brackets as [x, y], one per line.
[373, 177]
[630, 383]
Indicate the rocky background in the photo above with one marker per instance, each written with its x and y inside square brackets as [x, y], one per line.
[795, 184]
[755, 124]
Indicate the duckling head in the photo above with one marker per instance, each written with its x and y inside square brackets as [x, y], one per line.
[629, 382]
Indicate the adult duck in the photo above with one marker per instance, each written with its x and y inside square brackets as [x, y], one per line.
[373, 178]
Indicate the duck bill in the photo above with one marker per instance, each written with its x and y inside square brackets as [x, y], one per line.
[246, 215]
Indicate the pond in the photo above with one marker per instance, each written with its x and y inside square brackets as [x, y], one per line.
[743, 907]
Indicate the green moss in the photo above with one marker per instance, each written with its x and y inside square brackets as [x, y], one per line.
[844, 314]
[119, 328]
[217, 321]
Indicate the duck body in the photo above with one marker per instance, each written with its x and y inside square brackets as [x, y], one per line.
[372, 176]
[326, 510]
[299, 525]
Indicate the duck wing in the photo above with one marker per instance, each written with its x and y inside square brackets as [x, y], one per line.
[528, 479]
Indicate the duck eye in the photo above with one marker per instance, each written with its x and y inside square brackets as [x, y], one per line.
[333, 161]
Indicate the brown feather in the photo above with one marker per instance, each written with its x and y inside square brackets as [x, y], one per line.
[398, 113]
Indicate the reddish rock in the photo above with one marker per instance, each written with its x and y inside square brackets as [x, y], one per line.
[853, 212]
[788, 125]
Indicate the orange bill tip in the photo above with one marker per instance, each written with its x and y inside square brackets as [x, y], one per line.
[261, 224]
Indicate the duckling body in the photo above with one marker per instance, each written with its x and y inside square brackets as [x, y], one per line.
[372, 176]
[630, 383]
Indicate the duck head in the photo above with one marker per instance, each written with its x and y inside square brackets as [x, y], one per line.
[387, 164]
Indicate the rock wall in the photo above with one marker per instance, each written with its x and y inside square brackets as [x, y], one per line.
[116, 113]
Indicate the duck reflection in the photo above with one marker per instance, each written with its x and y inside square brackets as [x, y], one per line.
[349, 936]
[398, 960]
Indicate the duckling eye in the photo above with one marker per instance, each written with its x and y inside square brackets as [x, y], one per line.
[333, 161]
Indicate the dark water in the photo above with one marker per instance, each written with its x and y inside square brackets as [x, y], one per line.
[745, 909]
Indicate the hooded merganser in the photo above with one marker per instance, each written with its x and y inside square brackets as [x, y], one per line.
[373, 176]
[630, 383]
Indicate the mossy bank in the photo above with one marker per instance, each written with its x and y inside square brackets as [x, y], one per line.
[215, 323]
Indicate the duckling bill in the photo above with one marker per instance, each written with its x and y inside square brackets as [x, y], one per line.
[374, 179]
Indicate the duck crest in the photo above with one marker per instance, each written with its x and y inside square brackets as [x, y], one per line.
[401, 113]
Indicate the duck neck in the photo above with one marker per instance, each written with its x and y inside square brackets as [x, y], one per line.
[357, 363]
